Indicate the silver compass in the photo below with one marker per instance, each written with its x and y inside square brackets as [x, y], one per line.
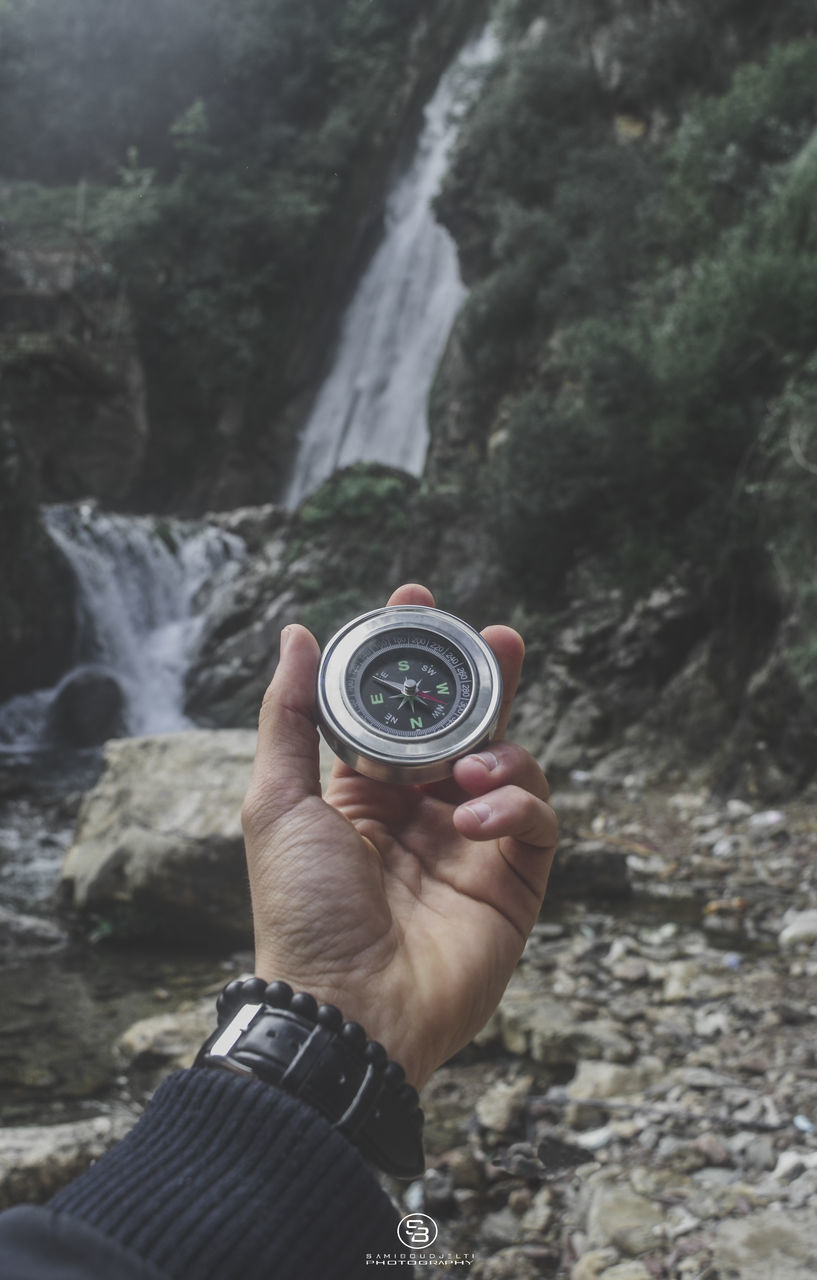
[406, 690]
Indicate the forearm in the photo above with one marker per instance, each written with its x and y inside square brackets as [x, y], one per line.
[225, 1177]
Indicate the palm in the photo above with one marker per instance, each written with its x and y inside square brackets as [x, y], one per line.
[394, 902]
[405, 898]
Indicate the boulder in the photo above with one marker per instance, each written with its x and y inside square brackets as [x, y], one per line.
[799, 928]
[88, 708]
[531, 1022]
[158, 847]
[168, 1039]
[589, 869]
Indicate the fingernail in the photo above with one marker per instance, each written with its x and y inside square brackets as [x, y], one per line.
[481, 810]
[487, 758]
[284, 638]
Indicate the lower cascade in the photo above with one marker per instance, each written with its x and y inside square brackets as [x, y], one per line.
[137, 579]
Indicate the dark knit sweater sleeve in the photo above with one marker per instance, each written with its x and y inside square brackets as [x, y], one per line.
[225, 1177]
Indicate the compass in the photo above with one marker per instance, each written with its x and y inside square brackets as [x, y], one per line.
[406, 690]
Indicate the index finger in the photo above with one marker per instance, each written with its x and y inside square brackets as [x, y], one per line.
[509, 648]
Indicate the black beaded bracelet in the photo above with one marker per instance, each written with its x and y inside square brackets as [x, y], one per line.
[307, 1049]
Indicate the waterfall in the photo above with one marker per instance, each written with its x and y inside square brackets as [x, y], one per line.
[372, 405]
[137, 578]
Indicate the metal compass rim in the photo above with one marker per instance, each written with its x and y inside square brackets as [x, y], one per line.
[386, 754]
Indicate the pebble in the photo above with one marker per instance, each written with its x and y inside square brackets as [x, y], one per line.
[799, 927]
[620, 1217]
[502, 1104]
[644, 1101]
[592, 1265]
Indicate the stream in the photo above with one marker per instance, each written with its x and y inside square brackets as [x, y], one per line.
[139, 583]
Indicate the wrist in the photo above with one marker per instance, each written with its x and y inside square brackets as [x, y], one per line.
[352, 994]
[308, 1050]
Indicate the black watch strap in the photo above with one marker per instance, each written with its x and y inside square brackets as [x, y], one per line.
[309, 1051]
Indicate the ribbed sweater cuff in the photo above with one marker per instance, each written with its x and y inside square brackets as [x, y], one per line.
[225, 1177]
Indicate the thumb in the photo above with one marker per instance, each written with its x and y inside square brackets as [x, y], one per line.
[287, 767]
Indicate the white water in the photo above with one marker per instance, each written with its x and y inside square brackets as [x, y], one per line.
[137, 580]
[372, 405]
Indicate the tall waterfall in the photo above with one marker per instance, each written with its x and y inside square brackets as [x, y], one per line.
[372, 405]
[137, 578]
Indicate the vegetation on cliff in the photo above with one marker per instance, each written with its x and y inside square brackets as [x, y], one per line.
[635, 204]
[242, 151]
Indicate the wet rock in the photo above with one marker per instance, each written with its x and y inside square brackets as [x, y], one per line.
[158, 847]
[37, 1160]
[238, 644]
[22, 934]
[89, 708]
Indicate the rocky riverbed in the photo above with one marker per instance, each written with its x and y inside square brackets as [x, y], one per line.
[643, 1103]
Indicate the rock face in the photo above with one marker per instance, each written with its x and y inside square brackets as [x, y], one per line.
[618, 688]
[72, 422]
[341, 554]
[36, 583]
[73, 385]
[158, 847]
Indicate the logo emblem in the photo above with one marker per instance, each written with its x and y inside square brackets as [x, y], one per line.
[417, 1231]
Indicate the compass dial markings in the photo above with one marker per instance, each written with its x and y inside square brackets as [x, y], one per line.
[411, 664]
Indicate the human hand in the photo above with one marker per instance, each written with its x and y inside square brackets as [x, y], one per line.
[407, 907]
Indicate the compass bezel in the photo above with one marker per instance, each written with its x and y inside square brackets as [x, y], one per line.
[374, 752]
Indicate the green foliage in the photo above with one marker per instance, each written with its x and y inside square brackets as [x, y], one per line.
[359, 519]
[329, 610]
[781, 499]
[360, 495]
[729, 150]
[637, 305]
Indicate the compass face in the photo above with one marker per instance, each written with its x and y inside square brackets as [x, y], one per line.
[405, 691]
[409, 683]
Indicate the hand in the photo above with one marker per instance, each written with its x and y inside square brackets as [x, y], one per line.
[407, 907]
